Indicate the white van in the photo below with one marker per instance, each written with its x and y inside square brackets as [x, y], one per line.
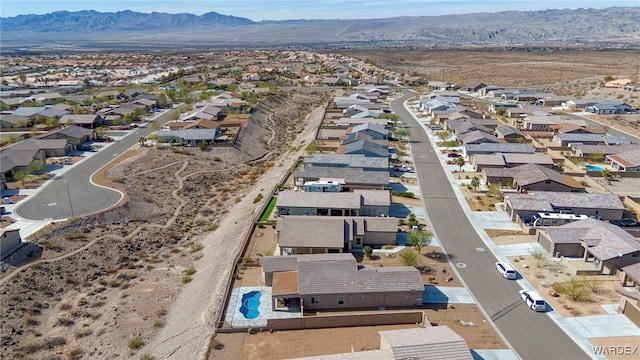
[506, 270]
[533, 300]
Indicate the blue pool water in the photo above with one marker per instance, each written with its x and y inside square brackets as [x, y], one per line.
[594, 168]
[251, 304]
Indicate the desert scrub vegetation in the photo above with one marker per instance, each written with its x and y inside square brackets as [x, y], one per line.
[136, 343]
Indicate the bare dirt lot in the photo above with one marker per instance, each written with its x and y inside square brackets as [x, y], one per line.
[299, 343]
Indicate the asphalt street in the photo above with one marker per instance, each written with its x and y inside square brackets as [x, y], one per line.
[532, 335]
[72, 194]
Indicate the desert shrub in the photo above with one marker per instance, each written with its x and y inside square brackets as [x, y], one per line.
[82, 333]
[196, 247]
[540, 256]
[73, 353]
[147, 357]
[161, 312]
[409, 258]
[136, 343]
[367, 251]
[64, 306]
[190, 271]
[63, 321]
[258, 198]
[159, 323]
[574, 289]
[186, 279]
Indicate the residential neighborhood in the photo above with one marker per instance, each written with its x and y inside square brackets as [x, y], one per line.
[342, 193]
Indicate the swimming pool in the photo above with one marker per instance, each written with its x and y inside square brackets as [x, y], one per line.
[594, 168]
[251, 304]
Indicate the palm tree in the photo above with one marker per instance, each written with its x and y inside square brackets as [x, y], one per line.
[606, 174]
[141, 140]
[460, 162]
[475, 182]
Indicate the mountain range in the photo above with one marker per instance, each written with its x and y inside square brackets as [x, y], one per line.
[610, 27]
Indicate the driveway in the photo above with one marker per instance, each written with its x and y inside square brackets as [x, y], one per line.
[532, 335]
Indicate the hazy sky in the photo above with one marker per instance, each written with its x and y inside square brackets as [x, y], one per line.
[258, 10]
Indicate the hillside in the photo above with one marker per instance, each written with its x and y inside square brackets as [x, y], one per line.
[610, 27]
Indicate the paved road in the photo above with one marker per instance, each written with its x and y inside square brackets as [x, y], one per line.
[532, 335]
[54, 202]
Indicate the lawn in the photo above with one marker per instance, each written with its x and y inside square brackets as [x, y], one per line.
[267, 212]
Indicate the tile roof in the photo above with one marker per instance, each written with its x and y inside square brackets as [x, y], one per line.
[605, 241]
[541, 200]
[434, 342]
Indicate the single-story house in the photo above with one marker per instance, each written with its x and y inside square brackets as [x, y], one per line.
[335, 281]
[356, 203]
[29, 111]
[350, 178]
[189, 137]
[76, 135]
[16, 159]
[300, 234]
[605, 206]
[364, 147]
[473, 86]
[509, 160]
[15, 121]
[609, 107]
[609, 247]
[567, 139]
[491, 148]
[581, 150]
[50, 147]
[476, 137]
[360, 136]
[625, 161]
[366, 163]
[509, 133]
[376, 131]
[532, 177]
[89, 121]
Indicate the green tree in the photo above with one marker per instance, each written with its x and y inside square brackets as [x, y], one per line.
[141, 140]
[420, 239]
[401, 132]
[100, 132]
[409, 258]
[460, 162]
[52, 123]
[608, 78]
[203, 146]
[475, 182]
[606, 173]
[540, 256]
[36, 166]
[19, 176]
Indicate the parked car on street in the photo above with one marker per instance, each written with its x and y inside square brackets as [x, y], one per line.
[533, 300]
[506, 270]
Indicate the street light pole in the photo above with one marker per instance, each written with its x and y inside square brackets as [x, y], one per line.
[69, 196]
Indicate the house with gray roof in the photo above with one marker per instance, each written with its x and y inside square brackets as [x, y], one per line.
[609, 107]
[509, 160]
[628, 161]
[89, 121]
[366, 163]
[524, 205]
[428, 342]
[29, 111]
[582, 150]
[476, 137]
[567, 139]
[509, 133]
[300, 234]
[376, 131]
[364, 147]
[14, 121]
[189, 137]
[608, 248]
[350, 178]
[53, 113]
[359, 136]
[491, 148]
[464, 125]
[51, 147]
[532, 177]
[335, 282]
[18, 158]
[356, 203]
[75, 135]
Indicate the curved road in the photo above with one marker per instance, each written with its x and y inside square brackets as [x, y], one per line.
[54, 202]
[532, 335]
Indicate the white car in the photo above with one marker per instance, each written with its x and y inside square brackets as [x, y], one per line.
[533, 300]
[506, 270]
